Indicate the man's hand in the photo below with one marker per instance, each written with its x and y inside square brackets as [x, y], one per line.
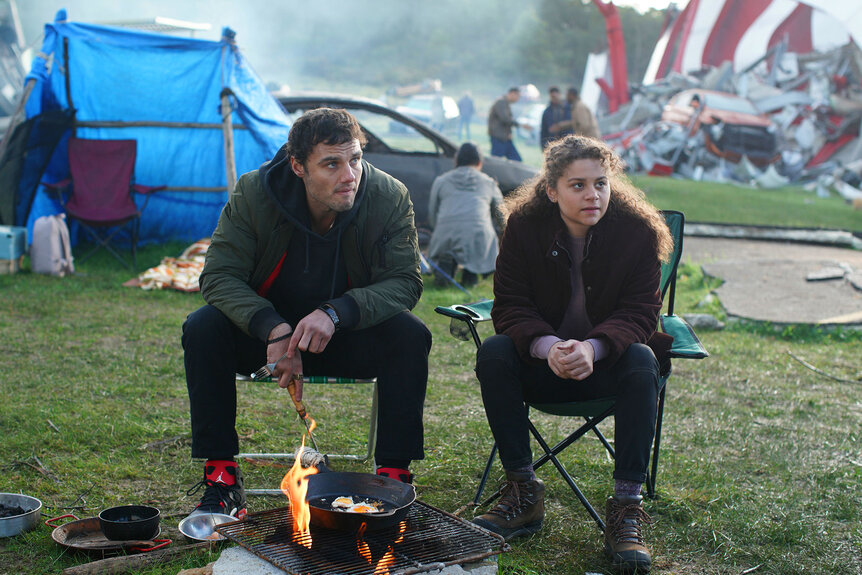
[291, 364]
[312, 333]
[571, 359]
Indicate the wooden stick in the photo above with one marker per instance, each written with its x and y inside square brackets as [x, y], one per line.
[128, 563]
[820, 371]
[151, 124]
[227, 130]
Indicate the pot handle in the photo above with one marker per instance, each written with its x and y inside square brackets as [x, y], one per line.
[161, 543]
[50, 522]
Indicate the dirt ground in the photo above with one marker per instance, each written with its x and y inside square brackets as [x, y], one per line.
[768, 281]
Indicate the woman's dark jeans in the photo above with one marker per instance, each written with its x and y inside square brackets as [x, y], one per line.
[395, 351]
[507, 382]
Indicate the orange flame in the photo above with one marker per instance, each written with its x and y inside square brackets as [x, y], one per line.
[363, 549]
[295, 487]
[388, 559]
[402, 527]
[385, 563]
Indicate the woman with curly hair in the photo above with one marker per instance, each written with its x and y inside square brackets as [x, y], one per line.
[576, 306]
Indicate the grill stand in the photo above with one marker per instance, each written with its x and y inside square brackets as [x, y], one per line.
[428, 540]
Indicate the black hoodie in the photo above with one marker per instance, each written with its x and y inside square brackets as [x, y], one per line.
[313, 270]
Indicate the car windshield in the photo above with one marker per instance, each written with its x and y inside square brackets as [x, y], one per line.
[730, 103]
[392, 133]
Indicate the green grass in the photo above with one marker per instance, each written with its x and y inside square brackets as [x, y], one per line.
[761, 464]
[727, 203]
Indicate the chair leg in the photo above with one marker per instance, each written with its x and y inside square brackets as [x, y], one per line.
[568, 478]
[485, 474]
[577, 434]
[651, 476]
[136, 222]
[603, 440]
[102, 242]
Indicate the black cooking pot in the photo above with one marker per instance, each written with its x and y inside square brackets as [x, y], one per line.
[323, 488]
[128, 522]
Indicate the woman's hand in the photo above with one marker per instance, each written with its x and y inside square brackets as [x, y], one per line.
[571, 359]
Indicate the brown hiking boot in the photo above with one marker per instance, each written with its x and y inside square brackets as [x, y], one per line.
[520, 510]
[624, 542]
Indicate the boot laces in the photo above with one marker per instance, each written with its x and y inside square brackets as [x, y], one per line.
[215, 493]
[625, 522]
[511, 503]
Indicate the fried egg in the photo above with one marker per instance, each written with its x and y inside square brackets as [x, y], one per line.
[363, 508]
[343, 502]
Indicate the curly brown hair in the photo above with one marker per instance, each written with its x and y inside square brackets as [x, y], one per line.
[531, 199]
[330, 126]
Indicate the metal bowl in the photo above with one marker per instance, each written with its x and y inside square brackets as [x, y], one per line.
[201, 526]
[16, 524]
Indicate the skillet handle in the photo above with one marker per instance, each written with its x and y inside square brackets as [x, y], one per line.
[161, 543]
[50, 522]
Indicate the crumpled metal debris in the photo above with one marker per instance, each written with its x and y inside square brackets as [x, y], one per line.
[814, 102]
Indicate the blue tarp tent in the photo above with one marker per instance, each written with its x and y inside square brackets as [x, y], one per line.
[165, 92]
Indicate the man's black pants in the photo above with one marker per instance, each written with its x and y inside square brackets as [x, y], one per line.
[507, 382]
[395, 351]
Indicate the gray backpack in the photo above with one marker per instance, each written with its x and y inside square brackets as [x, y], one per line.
[51, 252]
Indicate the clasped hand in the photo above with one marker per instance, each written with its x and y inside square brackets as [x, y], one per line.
[572, 359]
[311, 334]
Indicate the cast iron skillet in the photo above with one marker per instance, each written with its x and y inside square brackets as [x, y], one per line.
[86, 535]
[324, 487]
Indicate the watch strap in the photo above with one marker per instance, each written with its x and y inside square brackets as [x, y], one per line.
[333, 315]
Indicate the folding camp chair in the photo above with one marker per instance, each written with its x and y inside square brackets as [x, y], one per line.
[372, 427]
[465, 317]
[102, 185]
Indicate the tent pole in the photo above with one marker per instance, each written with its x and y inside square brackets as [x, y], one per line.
[227, 130]
[13, 121]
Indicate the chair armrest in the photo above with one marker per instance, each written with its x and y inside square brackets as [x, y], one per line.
[475, 312]
[141, 189]
[685, 342]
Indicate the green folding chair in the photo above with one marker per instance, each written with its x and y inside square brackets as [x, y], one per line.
[327, 380]
[686, 345]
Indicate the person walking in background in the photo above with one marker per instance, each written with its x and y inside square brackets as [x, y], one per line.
[580, 120]
[576, 305]
[438, 113]
[466, 109]
[553, 115]
[500, 124]
[465, 212]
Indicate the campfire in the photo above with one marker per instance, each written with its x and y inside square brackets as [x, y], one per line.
[295, 487]
[411, 538]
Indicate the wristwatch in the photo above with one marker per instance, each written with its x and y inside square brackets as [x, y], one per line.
[333, 315]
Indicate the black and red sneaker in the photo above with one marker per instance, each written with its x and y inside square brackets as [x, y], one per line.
[223, 491]
[402, 475]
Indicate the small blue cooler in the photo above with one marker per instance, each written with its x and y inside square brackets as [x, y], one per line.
[13, 245]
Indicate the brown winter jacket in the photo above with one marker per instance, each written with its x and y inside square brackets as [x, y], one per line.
[621, 276]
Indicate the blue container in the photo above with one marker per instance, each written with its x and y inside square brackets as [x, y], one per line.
[13, 245]
[13, 242]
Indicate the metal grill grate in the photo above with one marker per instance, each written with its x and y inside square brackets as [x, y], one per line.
[431, 539]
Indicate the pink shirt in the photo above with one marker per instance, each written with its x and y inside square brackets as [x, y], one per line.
[576, 324]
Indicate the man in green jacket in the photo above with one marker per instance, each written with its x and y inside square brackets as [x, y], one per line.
[315, 260]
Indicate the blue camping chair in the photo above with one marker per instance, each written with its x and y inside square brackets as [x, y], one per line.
[686, 345]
